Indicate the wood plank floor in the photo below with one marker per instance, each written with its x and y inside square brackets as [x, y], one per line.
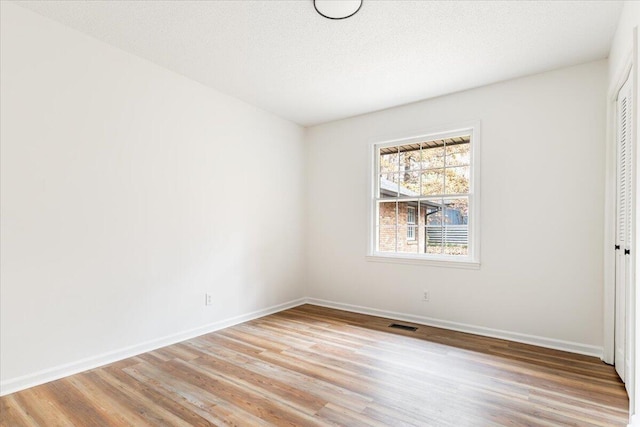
[313, 366]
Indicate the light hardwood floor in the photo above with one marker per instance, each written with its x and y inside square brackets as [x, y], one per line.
[313, 366]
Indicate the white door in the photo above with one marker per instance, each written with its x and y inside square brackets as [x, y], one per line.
[623, 224]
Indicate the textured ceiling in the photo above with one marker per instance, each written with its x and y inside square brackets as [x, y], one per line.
[285, 58]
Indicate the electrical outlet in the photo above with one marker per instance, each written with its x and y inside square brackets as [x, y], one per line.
[425, 296]
[208, 299]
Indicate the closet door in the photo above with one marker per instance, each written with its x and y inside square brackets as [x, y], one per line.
[623, 223]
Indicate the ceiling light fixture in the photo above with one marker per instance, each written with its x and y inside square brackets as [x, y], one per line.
[337, 9]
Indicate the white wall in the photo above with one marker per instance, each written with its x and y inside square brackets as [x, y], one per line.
[128, 192]
[542, 196]
[622, 40]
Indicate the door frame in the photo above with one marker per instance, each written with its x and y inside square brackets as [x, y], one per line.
[610, 212]
[630, 62]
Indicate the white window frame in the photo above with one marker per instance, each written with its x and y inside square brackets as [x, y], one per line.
[472, 260]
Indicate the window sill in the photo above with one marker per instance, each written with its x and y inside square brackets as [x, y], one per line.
[432, 262]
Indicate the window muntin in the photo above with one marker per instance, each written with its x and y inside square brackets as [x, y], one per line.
[424, 191]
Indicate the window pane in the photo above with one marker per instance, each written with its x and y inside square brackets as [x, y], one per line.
[387, 214]
[433, 230]
[405, 244]
[411, 225]
[456, 249]
[411, 215]
[434, 248]
[389, 159]
[387, 239]
[432, 157]
[411, 232]
[433, 182]
[456, 227]
[387, 226]
[457, 180]
[456, 211]
[409, 157]
[458, 155]
[389, 185]
[422, 213]
[410, 184]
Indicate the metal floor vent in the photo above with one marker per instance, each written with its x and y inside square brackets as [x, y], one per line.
[403, 327]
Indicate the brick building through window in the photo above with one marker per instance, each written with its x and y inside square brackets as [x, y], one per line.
[423, 196]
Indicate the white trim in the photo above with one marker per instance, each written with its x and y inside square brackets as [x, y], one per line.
[629, 64]
[30, 380]
[573, 347]
[632, 329]
[418, 260]
[634, 421]
[610, 214]
[57, 372]
[441, 132]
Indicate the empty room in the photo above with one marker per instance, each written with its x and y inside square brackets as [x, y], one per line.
[319, 213]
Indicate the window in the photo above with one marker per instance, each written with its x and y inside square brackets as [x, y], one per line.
[411, 223]
[426, 188]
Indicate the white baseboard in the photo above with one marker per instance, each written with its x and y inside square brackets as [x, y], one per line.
[573, 347]
[634, 421]
[20, 383]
